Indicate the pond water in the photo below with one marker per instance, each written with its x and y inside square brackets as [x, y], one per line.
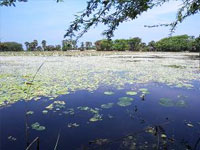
[138, 116]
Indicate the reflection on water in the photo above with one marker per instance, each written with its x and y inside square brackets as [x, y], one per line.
[152, 116]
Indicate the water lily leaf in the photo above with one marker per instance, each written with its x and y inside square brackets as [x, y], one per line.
[190, 125]
[109, 93]
[36, 126]
[83, 108]
[125, 99]
[11, 138]
[101, 141]
[107, 106]
[124, 103]
[166, 102]
[50, 107]
[163, 136]
[45, 111]
[29, 112]
[181, 103]
[144, 91]
[73, 125]
[95, 118]
[69, 111]
[132, 93]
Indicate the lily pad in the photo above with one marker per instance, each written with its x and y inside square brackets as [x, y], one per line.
[109, 93]
[166, 102]
[69, 111]
[73, 125]
[107, 106]
[11, 138]
[50, 107]
[83, 108]
[144, 91]
[125, 99]
[45, 111]
[124, 103]
[132, 93]
[190, 125]
[29, 112]
[36, 126]
[181, 103]
[96, 117]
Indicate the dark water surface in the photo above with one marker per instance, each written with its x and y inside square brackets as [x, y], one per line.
[180, 124]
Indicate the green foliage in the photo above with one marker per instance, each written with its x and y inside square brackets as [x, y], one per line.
[120, 45]
[134, 44]
[176, 43]
[51, 48]
[98, 11]
[69, 45]
[104, 45]
[11, 46]
[152, 46]
[196, 44]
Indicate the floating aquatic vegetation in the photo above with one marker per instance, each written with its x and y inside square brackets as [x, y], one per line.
[95, 111]
[150, 130]
[109, 93]
[45, 111]
[181, 103]
[29, 112]
[132, 93]
[190, 125]
[99, 141]
[57, 105]
[163, 136]
[166, 102]
[83, 108]
[107, 106]
[38, 127]
[11, 138]
[73, 125]
[96, 117]
[50, 107]
[69, 111]
[125, 101]
[87, 73]
[180, 96]
[144, 91]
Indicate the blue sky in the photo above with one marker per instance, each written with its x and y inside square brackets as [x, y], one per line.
[46, 19]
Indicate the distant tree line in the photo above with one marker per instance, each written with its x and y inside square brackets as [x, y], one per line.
[10, 46]
[169, 44]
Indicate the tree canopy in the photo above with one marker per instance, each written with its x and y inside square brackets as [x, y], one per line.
[113, 12]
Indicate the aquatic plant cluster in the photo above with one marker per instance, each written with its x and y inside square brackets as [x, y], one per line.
[62, 75]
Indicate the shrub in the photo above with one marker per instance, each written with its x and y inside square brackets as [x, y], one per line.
[11, 46]
[175, 43]
[104, 45]
[120, 45]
